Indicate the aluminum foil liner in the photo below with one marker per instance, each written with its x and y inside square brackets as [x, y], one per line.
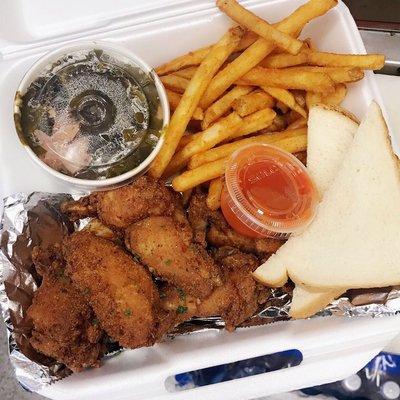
[34, 219]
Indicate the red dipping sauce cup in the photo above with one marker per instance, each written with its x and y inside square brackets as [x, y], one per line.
[268, 193]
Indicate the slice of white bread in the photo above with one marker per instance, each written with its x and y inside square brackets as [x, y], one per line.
[307, 301]
[354, 239]
[330, 133]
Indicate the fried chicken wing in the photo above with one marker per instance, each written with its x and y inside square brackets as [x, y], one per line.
[211, 227]
[165, 246]
[120, 290]
[64, 325]
[221, 234]
[121, 207]
[235, 301]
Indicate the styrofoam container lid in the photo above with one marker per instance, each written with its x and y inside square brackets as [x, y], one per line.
[157, 31]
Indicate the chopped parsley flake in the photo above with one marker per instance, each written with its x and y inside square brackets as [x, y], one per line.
[181, 309]
[95, 322]
[128, 312]
[163, 295]
[182, 294]
[168, 262]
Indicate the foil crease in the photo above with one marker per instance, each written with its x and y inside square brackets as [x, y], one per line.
[32, 219]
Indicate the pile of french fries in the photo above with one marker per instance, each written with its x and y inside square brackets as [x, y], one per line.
[255, 85]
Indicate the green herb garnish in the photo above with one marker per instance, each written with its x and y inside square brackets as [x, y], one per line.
[181, 309]
[163, 295]
[128, 312]
[168, 262]
[182, 294]
[95, 322]
[86, 292]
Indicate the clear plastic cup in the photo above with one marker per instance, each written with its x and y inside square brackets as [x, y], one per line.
[268, 192]
[92, 114]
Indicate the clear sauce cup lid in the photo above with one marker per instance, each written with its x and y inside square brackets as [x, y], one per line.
[268, 192]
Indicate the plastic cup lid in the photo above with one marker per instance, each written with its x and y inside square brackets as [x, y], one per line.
[270, 190]
[92, 113]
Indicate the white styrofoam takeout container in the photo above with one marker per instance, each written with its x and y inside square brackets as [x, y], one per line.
[158, 30]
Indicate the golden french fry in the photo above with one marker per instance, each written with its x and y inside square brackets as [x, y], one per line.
[337, 74]
[280, 122]
[295, 22]
[196, 57]
[289, 78]
[197, 176]
[233, 71]
[292, 116]
[337, 97]
[175, 98]
[255, 53]
[221, 106]
[284, 60]
[186, 139]
[300, 97]
[247, 40]
[287, 98]
[191, 58]
[300, 123]
[282, 107]
[213, 200]
[313, 98]
[293, 145]
[309, 44]
[259, 26]
[363, 61]
[215, 169]
[175, 83]
[190, 99]
[227, 149]
[203, 141]
[250, 124]
[186, 72]
[254, 122]
[269, 129]
[253, 102]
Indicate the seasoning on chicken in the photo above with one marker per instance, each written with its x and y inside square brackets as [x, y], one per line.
[165, 246]
[235, 301]
[120, 290]
[64, 325]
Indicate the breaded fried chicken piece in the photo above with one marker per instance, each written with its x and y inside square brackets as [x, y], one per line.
[211, 225]
[120, 290]
[121, 207]
[64, 325]
[235, 301]
[221, 234]
[165, 246]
